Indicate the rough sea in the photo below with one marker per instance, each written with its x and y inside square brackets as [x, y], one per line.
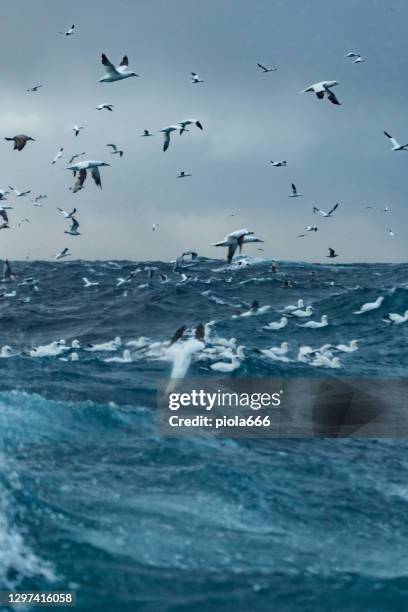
[93, 500]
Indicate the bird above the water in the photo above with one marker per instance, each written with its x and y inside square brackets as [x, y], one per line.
[322, 88]
[395, 144]
[368, 306]
[77, 128]
[298, 312]
[73, 230]
[195, 78]
[315, 324]
[332, 253]
[166, 132]
[265, 69]
[75, 156]
[64, 253]
[391, 233]
[37, 200]
[186, 122]
[58, 155]
[279, 164]
[311, 228]
[155, 226]
[20, 194]
[35, 88]
[183, 174]
[117, 73]
[82, 168]
[106, 106]
[25, 220]
[359, 60]
[68, 32]
[325, 214]
[3, 194]
[20, 141]
[351, 54]
[294, 193]
[8, 276]
[178, 334]
[146, 133]
[233, 241]
[66, 214]
[115, 150]
[395, 318]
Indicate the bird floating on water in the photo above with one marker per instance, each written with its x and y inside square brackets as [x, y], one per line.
[368, 306]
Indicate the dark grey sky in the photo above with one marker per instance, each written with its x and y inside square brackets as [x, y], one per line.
[333, 153]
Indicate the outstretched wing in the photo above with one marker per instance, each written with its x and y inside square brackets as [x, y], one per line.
[333, 209]
[166, 141]
[3, 214]
[178, 334]
[294, 190]
[200, 332]
[332, 97]
[20, 142]
[80, 181]
[231, 251]
[263, 67]
[125, 62]
[109, 67]
[114, 147]
[74, 225]
[96, 176]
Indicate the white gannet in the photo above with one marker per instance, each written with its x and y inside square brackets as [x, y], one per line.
[391, 233]
[195, 78]
[68, 32]
[311, 228]
[6, 351]
[81, 168]
[348, 348]
[326, 362]
[395, 318]
[20, 141]
[315, 324]
[186, 122]
[279, 164]
[294, 193]
[325, 214]
[166, 132]
[66, 214]
[64, 253]
[251, 238]
[183, 174]
[88, 283]
[115, 150]
[146, 133]
[322, 88]
[280, 350]
[226, 367]
[76, 129]
[105, 105]
[110, 346]
[35, 88]
[276, 325]
[265, 69]
[58, 155]
[302, 313]
[332, 253]
[291, 307]
[368, 306]
[395, 144]
[117, 73]
[351, 54]
[233, 241]
[20, 194]
[155, 226]
[73, 230]
[126, 358]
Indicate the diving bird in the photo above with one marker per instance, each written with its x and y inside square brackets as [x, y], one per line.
[183, 174]
[396, 145]
[81, 168]
[115, 150]
[68, 32]
[368, 306]
[195, 78]
[20, 194]
[186, 122]
[279, 164]
[294, 193]
[73, 230]
[20, 141]
[265, 69]
[166, 132]
[146, 133]
[106, 106]
[64, 253]
[332, 253]
[117, 73]
[66, 214]
[233, 241]
[322, 88]
[325, 214]
[76, 129]
[58, 155]
[35, 88]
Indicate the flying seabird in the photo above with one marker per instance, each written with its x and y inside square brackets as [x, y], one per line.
[233, 241]
[391, 233]
[58, 155]
[294, 193]
[359, 60]
[265, 69]
[115, 150]
[73, 230]
[183, 174]
[25, 220]
[76, 129]
[81, 168]
[64, 253]
[155, 226]
[322, 88]
[117, 73]
[279, 164]
[68, 32]
[108, 107]
[368, 306]
[166, 132]
[351, 54]
[395, 143]
[146, 133]
[75, 156]
[332, 253]
[88, 283]
[20, 141]
[186, 122]
[325, 214]
[66, 214]
[195, 78]
[20, 194]
[35, 88]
